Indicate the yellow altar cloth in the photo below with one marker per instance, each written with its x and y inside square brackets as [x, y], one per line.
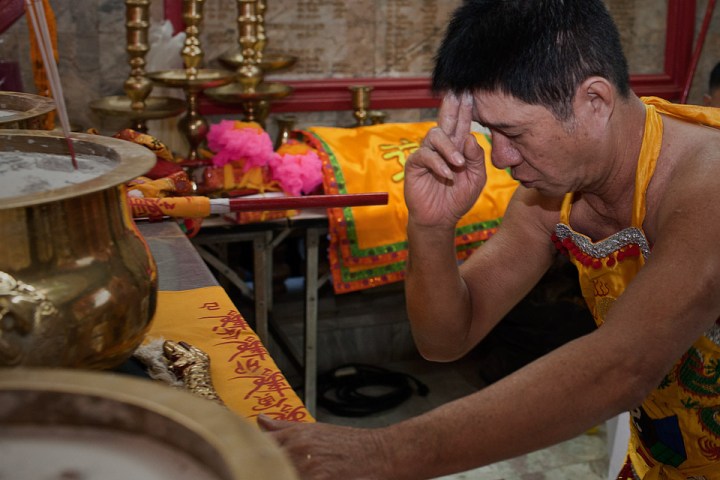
[368, 245]
[244, 375]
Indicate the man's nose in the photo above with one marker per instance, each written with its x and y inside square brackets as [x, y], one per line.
[503, 153]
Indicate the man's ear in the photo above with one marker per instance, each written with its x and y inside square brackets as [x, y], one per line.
[596, 96]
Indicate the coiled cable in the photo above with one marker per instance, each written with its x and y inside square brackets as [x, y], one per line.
[356, 390]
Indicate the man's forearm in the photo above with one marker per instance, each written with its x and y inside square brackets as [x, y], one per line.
[438, 304]
[551, 400]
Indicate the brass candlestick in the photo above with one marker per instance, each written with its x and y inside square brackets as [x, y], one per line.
[136, 104]
[249, 90]
[267, 61]
[361, 103]
[285, 125]
[192, 79]
[137, 86]
[270, 61]
[249, 73]
[260, 8]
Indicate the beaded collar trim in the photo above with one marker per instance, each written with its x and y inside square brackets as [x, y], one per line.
[713, 334]
[632, 240]
[604, 248]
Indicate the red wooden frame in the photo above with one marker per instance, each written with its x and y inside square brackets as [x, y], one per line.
[10, 11]
[393, 93]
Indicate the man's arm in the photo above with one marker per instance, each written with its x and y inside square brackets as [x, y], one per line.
[451, 308]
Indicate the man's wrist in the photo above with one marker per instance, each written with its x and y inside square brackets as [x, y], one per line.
[439, 230]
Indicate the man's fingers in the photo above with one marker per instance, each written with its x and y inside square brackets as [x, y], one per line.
[268, 424]
[455, 120]
[426, 159]
[440, 168]
[439, 142]
[448, 114]
[464, 117]
[472, 151]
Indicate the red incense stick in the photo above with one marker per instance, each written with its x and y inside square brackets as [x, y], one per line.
[307, 201]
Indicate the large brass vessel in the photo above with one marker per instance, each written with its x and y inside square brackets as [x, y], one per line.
[47, 409]
[23, 110]
[77, 282]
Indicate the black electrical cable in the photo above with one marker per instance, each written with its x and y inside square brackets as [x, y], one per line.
[356, 390]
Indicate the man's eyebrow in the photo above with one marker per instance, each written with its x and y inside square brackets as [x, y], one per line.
[496, 126]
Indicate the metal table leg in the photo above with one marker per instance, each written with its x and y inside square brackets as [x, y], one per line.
[224, 270]
[311, 316]
[262, 262]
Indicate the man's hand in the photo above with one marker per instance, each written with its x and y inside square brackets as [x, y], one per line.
[329, 452]
[445, 176]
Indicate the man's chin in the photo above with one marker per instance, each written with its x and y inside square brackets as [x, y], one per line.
[545, 190]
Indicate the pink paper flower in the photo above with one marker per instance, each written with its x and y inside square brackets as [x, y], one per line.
[242, 142]
[297, 168]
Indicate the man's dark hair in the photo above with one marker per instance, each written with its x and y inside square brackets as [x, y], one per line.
[714, 78]
[538, 51]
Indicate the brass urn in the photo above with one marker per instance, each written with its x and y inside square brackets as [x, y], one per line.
[23, 110]
[78, 284]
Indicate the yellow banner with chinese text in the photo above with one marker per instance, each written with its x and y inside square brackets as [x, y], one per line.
[244, 375]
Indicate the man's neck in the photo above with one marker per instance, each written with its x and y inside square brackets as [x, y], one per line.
[610, 197]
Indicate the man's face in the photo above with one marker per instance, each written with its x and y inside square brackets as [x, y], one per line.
[541, 151]
[712, 99]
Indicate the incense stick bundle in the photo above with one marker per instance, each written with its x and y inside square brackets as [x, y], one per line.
[36, 12]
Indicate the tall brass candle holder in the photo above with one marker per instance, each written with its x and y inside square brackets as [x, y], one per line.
[267, 61]
[361, 103]
[192, 79]
[249, 90]
[137, 104]
[285, 126]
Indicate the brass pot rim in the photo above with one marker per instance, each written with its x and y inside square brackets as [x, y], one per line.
[133, 160]
[27, 105]
[241, 446]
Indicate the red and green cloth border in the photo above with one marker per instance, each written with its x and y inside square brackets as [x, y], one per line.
[354, 268]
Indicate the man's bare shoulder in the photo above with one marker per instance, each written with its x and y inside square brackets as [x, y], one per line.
[686, 143]
[690, 156]
[688, 172]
